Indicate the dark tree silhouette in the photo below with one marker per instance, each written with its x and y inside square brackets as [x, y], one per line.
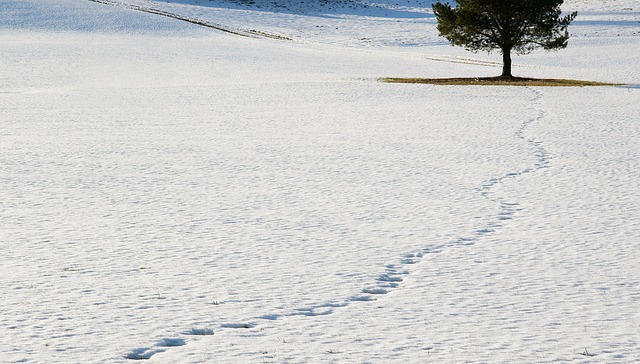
[519, 25]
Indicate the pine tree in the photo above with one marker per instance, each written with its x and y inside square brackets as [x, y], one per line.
[519, 25]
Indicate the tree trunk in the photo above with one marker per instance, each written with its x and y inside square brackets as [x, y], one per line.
[506, 63]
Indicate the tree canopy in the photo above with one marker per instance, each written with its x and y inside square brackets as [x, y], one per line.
[519, 25]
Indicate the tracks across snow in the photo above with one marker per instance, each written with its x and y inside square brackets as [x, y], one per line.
[252, 33]
[395, 273]
[463, 60]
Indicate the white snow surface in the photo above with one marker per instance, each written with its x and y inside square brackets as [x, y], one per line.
[178, 194]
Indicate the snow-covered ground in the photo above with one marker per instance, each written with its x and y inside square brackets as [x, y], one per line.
[172, 192]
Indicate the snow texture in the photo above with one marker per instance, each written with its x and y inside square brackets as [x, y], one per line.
[210, 181]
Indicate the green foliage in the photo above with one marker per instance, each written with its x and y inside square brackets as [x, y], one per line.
[521, 25]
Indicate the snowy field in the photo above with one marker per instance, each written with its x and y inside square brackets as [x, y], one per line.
[180, 194]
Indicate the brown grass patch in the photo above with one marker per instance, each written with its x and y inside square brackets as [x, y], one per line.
[498, 81]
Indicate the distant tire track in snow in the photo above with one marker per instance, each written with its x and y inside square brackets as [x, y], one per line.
[461, 60]
[251, 33]
[477, 62]
[395, 273]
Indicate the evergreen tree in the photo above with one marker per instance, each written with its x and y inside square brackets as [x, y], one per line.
[519, 25]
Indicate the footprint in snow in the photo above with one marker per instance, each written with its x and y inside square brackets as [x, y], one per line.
[312, 313]
[147, 353]
[375, 291]
[409, 261]
[362, 299]
[169, 341]
[199, 331]
[389, 277]
[244, 325]
[142, 353]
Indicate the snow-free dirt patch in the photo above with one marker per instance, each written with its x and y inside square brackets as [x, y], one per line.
[498, 81]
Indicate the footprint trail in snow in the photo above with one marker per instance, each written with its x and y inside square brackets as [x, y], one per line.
[395, 273]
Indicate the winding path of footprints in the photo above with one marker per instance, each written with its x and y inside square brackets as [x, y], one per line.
[395, 273]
